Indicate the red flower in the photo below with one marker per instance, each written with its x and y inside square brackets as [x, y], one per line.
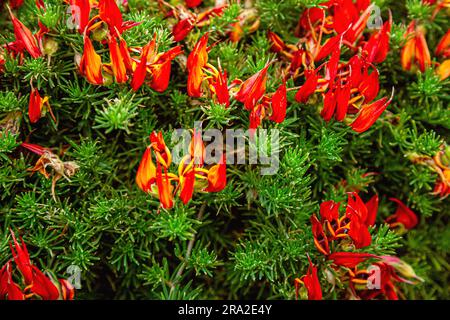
[377, 46]
[369, 113]
[43, 286]
[196, 61]
[141, 70]
[218, 83]
[277, 44]
[110, 13]
[81, 10]
[193, 3]
[279, 104]
[349, 259]
[253, 89]
[369, 85]
[14, 4]
[187, 180]
[24, 37]
[320, 238]
[162, 152]
[161, 68]
[67, 290]
[357, 212]
[182, 29]
[404, 216]
[164, 187]
[22, 259]
[311, 283]
[8, 288]
[308, 88]
[36, 106]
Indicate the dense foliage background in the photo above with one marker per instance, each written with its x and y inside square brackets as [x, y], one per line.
[250, 240]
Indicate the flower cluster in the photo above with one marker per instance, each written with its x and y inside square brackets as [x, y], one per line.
[348, 87]
[34, 283]
[192, 172]
[337, 237]
[125, 63]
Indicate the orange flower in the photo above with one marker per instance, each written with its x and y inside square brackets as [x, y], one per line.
[415, 50]
[91, 63]
[24, 37]
[217, 177]
[370, 113]
[253, 88]
[162, 152]
[196, 61]
[164, 188]
[146, 174]
[444, 69]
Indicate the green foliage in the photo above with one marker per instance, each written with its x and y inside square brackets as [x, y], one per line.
[250, 240]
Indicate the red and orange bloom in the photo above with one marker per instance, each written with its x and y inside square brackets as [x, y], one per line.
[218, 84]
[80, 10]
[199, 71]
[377, 47]
[24, 38]
[165, 189]
[311, 282]
[119, 61]
[188, 20]
[252, 89]
[158, 65]
[182, 29]
[146, 174]
[352, 227]
[217, 177]
[369, 113]
[141, 69]
[192, 175]
[160, 69]
[37, 105]
[388, 271]
[404, 217]
[196, 62]
[36, 283]
[91, 63]
[415, 50]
